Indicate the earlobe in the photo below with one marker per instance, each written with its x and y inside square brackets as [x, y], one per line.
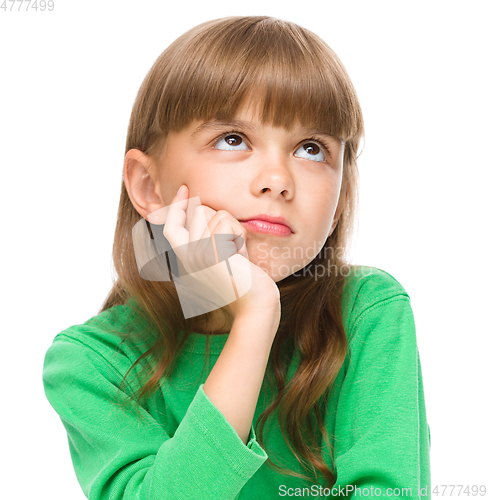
[142, 188]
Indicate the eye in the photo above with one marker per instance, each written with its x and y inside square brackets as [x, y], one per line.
[231, 141]
[312, 151]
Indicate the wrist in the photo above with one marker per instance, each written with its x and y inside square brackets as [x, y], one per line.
[262, 321]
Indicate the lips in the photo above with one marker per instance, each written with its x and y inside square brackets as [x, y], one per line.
[263, 223]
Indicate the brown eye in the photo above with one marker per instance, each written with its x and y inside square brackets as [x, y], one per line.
[311, 151]
[233, 140]
[311, 148]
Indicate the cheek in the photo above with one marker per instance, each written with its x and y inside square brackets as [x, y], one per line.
[318, 217]
[322, 204]
[168, 191]
[216, 191]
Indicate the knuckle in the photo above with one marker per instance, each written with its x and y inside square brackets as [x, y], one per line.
[222, 220]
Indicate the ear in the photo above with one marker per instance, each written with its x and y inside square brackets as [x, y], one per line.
[340, 207]
[141, 183]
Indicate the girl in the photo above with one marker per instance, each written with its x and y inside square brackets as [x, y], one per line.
[238, 356]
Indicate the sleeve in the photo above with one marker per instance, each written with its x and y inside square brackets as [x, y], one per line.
[383, 439]
[118, 456]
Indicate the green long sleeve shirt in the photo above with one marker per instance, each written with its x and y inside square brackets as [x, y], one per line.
[182, 447]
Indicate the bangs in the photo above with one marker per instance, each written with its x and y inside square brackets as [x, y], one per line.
[290, 75]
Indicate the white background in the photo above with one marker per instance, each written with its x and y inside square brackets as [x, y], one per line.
[68, 81]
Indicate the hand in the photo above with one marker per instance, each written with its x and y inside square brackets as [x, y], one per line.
[203, 242]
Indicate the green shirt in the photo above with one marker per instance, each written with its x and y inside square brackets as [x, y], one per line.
[182, 447]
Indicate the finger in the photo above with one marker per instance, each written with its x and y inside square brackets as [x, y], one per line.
[199, 225]
[216, 218]
[239, 230]
[204, 250]
[174, 229]
[200, 248]
[229, 238]
[217, 247]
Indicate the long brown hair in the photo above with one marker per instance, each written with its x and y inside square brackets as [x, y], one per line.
[207, 73]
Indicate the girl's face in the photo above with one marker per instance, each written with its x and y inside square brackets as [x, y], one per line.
[247, 169]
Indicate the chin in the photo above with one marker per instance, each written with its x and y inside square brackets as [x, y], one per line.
[274, 275]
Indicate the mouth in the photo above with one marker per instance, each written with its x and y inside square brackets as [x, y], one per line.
[277, 226]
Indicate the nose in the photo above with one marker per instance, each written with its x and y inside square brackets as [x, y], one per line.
[273, 176]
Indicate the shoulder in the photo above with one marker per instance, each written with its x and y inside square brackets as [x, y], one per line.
[90, 363]
[367, 285]
[367, 288]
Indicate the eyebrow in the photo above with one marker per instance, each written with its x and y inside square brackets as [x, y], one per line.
[215, 125]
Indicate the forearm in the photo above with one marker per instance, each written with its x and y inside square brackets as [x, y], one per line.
[236, 379]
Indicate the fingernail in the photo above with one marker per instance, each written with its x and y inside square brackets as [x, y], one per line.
[180, 189]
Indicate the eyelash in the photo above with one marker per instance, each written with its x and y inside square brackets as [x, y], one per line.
[311, 138]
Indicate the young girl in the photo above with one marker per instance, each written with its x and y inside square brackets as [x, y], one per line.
[238, 354]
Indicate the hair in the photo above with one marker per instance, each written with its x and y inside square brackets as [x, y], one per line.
[295, 77]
